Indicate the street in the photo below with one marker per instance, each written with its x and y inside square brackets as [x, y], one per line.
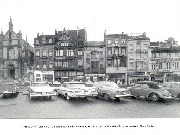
[23, 107]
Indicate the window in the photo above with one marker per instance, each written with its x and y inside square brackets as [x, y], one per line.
[50, 64]
[94, 65]
[65, 64]
[116, 41]
[37, 65]
[64, 44]
[44, 65]
[176, 65]
[44, 53]
[11, 53]
[160, 65]
[168, 65]
[44, 40]
[80, 62]
[123, 51]
[37, 41]
[37, 52]
[38, 75]
[123, 41]
[51, 52]
[145, 46]
[109, 63]
[50, 40]
[101, 66]
[115, 63]
[72, 73]
[116, 50]
[80, 52]
[59, 53]
[79, 73]
[131, 65]
[109, 41]
[131, 47]
[138, 56]
[70, 52]
[109, 51]
[58, 63]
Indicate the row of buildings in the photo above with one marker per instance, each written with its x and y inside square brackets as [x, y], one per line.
[67, 55]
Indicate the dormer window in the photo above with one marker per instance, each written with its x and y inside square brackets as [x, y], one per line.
[50, 40]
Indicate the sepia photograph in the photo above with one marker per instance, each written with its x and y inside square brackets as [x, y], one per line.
[88, 65]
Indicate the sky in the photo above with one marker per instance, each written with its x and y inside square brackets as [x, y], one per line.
[160, 19]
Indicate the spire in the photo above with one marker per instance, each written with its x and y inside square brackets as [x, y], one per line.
[77, 30]
[10, 25]
[26, 38]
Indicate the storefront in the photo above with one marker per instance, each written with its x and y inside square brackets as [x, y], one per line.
[44, 76]
[95, 77]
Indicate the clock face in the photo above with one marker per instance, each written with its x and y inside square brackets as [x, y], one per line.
[11, 54]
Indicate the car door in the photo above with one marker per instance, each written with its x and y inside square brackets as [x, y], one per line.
[145, 90]
[100, 89]
[135, 91]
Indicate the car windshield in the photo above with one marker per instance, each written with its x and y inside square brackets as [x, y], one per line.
[40, 84]
[76, 85]
[111, 84]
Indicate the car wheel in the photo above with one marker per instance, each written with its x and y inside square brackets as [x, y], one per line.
[106, 97]
[154, 97]
[178, 96]
[50, 97]
[117, 99]
[68, 97]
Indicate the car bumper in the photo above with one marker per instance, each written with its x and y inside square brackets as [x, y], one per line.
[167, 98]
[123, 95]
[42, 95]
[84, 95]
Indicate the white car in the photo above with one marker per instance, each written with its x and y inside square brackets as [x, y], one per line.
[41, 90]
[110, 90]
[55, 86]
[76, 90]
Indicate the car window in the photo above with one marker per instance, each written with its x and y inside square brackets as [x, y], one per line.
[153, 85]
[145, 86]
[138, 85]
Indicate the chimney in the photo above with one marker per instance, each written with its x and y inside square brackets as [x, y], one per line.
[55, 32]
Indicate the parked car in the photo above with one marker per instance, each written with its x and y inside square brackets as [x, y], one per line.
[55, 85]
[8, 88]
[110, 90]
[41, 90]
[173, 88]
[76, 90]
[150, 90]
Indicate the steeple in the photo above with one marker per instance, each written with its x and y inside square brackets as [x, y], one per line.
[1, 32]
[10, 25]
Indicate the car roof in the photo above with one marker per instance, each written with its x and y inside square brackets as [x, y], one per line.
[73, 82]
[146, 82]
[39, 82]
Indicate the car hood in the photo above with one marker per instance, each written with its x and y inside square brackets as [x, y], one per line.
[82, 88]
[42, 89]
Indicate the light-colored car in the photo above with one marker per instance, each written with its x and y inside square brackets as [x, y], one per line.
[76, 90]
[150, 90]
[173, 88]
[110, 90]
[41, 90]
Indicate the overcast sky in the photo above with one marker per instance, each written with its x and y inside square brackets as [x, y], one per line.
[160, 19]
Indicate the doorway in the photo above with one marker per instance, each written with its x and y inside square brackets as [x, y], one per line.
[11, 71]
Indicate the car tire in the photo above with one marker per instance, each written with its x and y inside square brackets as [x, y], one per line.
[117, 99]
[154, 97]
[106, 97]
[68, 97]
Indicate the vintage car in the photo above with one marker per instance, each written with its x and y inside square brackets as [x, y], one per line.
[173, 88]
[41, 90]
[150, 90]
[8, 88]
[76, 90]
[110, 90]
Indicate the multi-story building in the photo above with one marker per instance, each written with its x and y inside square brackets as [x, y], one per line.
[16, 55]
[165, 61]
[44, 57]
[138, 58]
[116, 57]
[94, 61]
[69, 55]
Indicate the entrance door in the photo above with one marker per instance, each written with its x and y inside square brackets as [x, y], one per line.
[11, 71]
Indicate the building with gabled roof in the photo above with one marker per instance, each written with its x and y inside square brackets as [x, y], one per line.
[16, 55]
